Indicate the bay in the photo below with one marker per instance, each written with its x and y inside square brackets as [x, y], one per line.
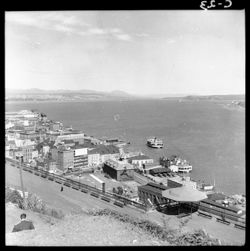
[204, 133]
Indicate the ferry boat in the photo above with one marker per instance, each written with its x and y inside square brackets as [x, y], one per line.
[205, 187]
[154, 143]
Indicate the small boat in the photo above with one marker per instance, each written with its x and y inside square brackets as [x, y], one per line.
[154, 143]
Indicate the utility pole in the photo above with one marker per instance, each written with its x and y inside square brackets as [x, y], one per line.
[79, 180]
[20, 159]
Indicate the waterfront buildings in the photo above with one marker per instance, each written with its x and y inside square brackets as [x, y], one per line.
[93, 158]
[76, 137]
[26, 151]
[152, 192]
[108, 152]
[65, 159]
[140, 160]
[119, 170]
[80, 156]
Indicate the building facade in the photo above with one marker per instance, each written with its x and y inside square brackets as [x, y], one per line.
[152, 192]
[119, 170]
[27, 153]
[93, 158]
[140, 160]
[65, 159]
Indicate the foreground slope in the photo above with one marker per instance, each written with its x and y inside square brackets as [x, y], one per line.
[75, 230]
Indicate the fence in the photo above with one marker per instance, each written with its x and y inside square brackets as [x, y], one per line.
[76, 184]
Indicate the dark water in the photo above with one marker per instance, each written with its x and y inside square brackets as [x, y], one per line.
[209, 136]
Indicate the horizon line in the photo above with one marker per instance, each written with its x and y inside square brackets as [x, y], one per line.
[127, 92]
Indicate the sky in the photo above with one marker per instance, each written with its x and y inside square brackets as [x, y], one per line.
[139, 52]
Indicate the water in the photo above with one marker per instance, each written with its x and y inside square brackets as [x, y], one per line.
[207, 135]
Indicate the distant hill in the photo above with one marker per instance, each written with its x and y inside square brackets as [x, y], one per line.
[120, 93]
[216, 97]
[38, 91]
[36, 94]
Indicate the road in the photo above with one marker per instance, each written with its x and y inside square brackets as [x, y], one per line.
[71, 200]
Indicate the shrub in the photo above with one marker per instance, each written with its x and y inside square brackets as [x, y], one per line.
[54, 213]
[15, 197]
[34, 203]
[173, 236]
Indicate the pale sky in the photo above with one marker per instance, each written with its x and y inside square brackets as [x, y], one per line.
[140, 52]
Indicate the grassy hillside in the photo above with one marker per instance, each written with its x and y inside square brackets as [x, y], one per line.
[91, 228]
[75, 230]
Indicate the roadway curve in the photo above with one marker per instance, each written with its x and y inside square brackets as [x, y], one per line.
[71, 200]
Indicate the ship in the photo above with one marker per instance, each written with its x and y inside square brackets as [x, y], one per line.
[154, 142]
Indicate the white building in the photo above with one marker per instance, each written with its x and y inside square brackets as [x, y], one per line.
[93, 158]
[140, 160]
[34, 154]
[8, 125]
[45, 149]
[77, 136]
[7, 151]
[174, 168]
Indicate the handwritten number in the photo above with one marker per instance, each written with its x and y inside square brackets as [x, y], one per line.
[212, 5]
[230, 3]
[203, 5]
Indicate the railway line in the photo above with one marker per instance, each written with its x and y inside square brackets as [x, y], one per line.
[204, 209]
[116, 199]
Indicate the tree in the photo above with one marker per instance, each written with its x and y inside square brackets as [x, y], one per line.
[120, 190]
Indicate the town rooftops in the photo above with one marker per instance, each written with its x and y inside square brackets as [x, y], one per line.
[139, 157]
[159, 170]
[154, 187]
[51, 143]
[109, 149]
[52, 133]
[84, 145]
[65, 149]
[28, 133]
[93, 151]
[118, 165]
[11, 142]
[68, 141]
[81, 146]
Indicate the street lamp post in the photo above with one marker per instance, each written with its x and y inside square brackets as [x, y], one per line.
[79, 180]
[20, 160]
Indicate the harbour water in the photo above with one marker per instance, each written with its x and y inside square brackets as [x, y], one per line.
[210, 137]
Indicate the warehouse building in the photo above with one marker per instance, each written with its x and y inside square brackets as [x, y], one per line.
[119, 170]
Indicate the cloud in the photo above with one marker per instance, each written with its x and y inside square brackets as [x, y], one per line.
[142, 35]
[63, 28]
[49, 20]
[65, 23]
[171, 41]
[97, 31]
[123, 36]
[23, 19]
[115, 30]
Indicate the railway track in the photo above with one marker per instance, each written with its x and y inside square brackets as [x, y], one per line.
[117, 200]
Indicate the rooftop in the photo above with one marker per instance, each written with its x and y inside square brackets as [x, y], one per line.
[118, 165]
[109, 149]
[154, 187]
[139, 157]
[160, 170]
[68, 141]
